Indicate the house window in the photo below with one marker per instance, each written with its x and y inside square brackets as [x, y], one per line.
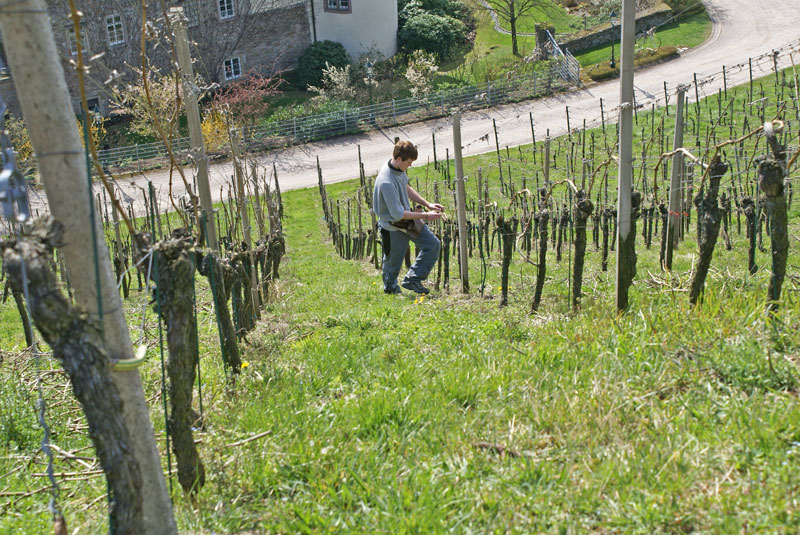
[233, 68]
[192, 15]
[226, 9]
[72, 42]
[116, 36]
[338, 6]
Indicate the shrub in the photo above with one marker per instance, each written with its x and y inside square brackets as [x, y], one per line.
[215, 129]
[437, 34]
[336, 85]
[408, 9]
[421, 70]
[683, 8]
[314, 60]
[643, 57]
[247, 98]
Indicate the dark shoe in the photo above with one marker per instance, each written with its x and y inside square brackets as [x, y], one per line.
[416, 287]
[394, 291]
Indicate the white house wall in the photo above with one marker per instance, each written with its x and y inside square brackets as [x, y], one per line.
[371, 25]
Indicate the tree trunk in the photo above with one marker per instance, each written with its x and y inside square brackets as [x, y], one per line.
[584, 212]
[749, 208]
[173, 274]
[770, 179]
[78, 346]
[710, 222]
[513, 22]
[219, 276]
[626, 255]
[543, 217]
[508, 231]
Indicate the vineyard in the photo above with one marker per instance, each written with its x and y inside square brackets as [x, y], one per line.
[339, 396]
[285, 393]
[538, 207]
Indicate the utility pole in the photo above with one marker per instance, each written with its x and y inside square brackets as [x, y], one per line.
[461, 201]
[198, 150]
[674, 213]
[626, 254]
[39, 79]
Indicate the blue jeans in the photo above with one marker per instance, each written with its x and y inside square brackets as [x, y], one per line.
[395, 244]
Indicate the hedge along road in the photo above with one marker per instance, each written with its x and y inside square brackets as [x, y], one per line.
[742, 29]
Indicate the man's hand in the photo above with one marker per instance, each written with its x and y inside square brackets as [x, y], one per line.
[432, 216]
[435, 207]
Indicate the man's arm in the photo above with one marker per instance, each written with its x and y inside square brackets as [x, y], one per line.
[415, 197]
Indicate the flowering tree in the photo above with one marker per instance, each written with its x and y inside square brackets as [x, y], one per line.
[336, 84]
[421, 70]
[247, 99]
[164, 97]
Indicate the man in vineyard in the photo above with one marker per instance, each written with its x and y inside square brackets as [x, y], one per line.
[399, 224]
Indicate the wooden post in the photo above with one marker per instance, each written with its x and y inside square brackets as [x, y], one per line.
[626, 255]
[675, 209]
[547, 160]
[244, 214]
[497, 149]
[39, 79]
[461, 198]
[195, 129]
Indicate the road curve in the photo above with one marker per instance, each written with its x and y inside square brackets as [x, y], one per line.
[742, 29]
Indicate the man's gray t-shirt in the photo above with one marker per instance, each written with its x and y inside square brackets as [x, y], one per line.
[390, 196]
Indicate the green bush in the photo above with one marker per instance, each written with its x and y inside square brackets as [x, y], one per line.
[440, 35]
[456, 9]
[312, 62]
[603, 71]
[682, 8]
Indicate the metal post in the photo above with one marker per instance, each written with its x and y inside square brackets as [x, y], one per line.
[461, 201]
[626, 259]
[675, 182]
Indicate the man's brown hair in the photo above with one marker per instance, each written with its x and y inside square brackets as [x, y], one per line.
[405, 150]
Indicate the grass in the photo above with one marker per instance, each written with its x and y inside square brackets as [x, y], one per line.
[550, 12]
[382, 411]
[687, 33]
[491, 54]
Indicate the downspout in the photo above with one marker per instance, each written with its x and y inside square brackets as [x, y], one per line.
[313, 20]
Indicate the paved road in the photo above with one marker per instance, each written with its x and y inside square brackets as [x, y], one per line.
[742, 29]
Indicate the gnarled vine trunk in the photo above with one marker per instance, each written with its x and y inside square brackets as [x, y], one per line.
[78, 346]
[709, 221]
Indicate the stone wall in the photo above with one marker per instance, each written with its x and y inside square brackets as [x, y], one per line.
[275, 40]
[264, 40]
[603, 34]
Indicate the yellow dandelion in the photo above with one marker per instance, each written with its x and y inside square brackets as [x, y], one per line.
[245, 364]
